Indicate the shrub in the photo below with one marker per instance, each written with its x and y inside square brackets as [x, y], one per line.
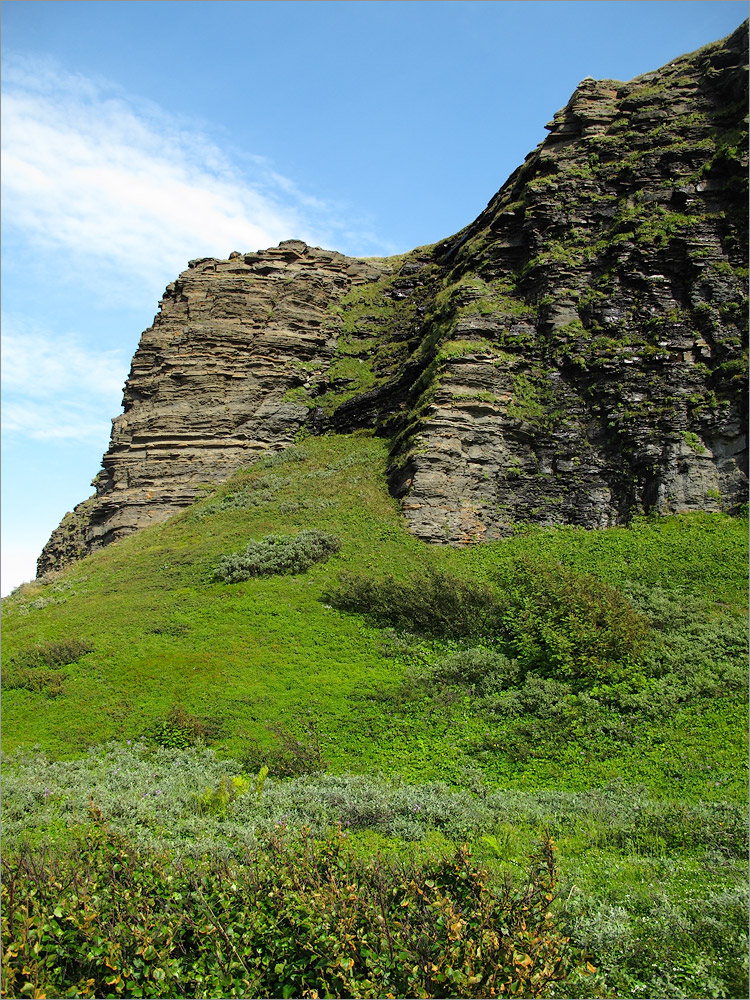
[648, 948]
[289, 756]
[483, 670]
[180, 729]
[37, 679]
[143, 789]
[433, 603]
[301, 919]
[556, 620]
[570, 624]
[52, 654]
[30, 668]
[277, 554]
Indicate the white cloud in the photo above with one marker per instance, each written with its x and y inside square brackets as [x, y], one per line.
[55, 389]
[121, 185]
[38, 366]
[58, 421]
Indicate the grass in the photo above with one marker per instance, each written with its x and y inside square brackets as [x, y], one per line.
[640, 777]
[269, 651]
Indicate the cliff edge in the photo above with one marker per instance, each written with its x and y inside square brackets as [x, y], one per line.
[576, 355]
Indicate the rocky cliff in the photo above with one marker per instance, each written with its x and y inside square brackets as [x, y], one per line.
[574, 356]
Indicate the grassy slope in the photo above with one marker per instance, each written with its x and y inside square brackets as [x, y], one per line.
[655, 895]
[269, 650]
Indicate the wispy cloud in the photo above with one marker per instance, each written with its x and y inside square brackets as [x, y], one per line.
[118, 183]
[54, 388]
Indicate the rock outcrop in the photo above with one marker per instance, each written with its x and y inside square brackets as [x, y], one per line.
[574, 356]
[216, 380]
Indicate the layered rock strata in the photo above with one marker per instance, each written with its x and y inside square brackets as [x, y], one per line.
[574, 356]
[211, 385]
[595, 360]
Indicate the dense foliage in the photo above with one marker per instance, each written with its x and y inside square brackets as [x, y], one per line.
[569, 624]
[298, 918]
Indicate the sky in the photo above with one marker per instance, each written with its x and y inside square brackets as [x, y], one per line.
[138, 135]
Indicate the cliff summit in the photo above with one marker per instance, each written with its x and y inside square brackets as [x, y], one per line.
[576, 355]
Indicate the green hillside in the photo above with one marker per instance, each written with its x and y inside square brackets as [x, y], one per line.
[273, 651]
[587, 683]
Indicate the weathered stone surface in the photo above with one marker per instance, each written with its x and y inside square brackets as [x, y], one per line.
[210, 385]
[599, 308]
[574, 356]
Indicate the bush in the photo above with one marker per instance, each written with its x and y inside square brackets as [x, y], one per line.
[298, 919]
[52, 654]
[180, 729]
[277, 554]
[36, 679]
[432, 603]
[556, 620]
[569, 624]
[484, 671]
[30, 668]
[648, 948]
[290, 755]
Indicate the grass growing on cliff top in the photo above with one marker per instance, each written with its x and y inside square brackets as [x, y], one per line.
[269, 669]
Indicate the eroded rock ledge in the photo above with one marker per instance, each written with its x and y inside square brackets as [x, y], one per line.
[575, 355]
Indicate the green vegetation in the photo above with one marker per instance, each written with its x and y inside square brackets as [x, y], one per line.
[377, 329]
[587, 684]
[302, 919]
[277, 746]
[277, 554]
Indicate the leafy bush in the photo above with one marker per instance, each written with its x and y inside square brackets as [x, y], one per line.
[299, 919]
[433, 603]
[290, 755]
[52, 654]
[277, 554]
[483, 670]
[180, 729]
[30, 668]
[569, 624]
[554, 619]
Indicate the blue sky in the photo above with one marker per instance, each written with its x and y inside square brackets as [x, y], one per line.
[138, 135]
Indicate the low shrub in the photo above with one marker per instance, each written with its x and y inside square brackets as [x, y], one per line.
[291, 754]
[52, 654]
[569, 624]
[432, 602]
[648, 947]
[483, 670]
[299, 918]
[277, 554]
[36, 679]
[32, 669]
[180, 729]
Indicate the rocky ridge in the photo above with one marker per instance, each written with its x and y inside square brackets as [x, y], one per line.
[574, 356]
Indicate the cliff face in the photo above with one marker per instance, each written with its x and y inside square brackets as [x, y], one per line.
[575, 355]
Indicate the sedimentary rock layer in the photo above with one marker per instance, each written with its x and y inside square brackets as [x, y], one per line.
[574, 356]
[211, 385]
